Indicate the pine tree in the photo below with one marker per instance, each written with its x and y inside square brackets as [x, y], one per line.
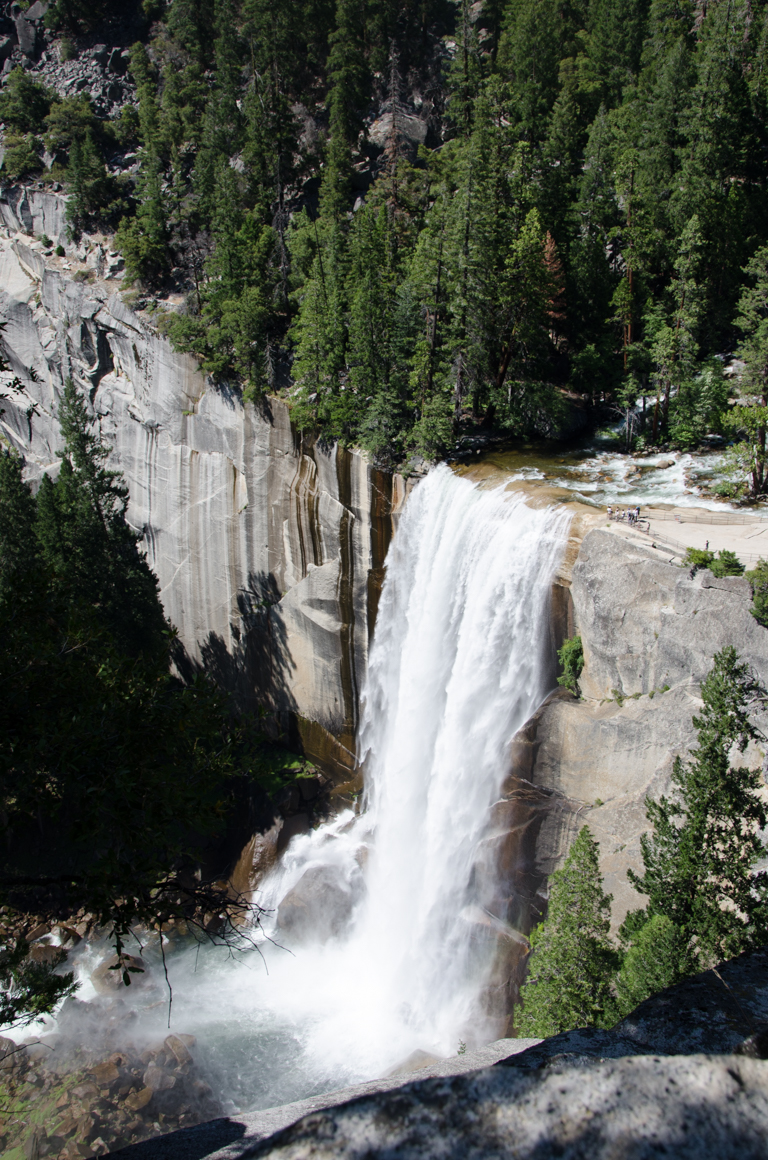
[87, 543]
[699, 863]
[91, 188]
[658, 956]
[348, 94]
[674, 338]
[144, 238]
[572, 961]
[750, 417]
[192, 24]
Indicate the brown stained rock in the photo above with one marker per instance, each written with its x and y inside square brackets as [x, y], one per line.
[85, 1091]
[138, 1100]
[68, 934]
[105, 1073]
[43, 953]
[38, 932]
[158, 1079]
[178, 1049]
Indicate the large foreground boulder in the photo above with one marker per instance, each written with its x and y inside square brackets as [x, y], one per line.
[698, 1107]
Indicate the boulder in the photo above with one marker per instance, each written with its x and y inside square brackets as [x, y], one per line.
[320, 905]
[108, 978]
[178, 1049]
[691, 1107]
[37, 10]
[158, 1079]
[27, 36]
[117, 62]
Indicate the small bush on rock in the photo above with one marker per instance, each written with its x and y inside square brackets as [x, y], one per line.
[67, 49]
[726, 564]
[571, 657]
[758, 578]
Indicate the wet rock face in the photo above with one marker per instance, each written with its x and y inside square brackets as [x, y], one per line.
[690, 1107]
[269, 552]
[320, 905]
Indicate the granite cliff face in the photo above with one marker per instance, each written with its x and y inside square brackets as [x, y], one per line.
[269, 552]
[649, 633]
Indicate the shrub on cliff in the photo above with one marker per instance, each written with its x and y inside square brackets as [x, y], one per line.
[573, 962]
[725, 563]
[758, 578]
[571, 658]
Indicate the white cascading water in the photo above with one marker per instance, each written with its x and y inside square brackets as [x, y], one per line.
[383, 960]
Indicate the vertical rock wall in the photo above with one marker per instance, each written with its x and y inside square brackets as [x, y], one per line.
[269, 552]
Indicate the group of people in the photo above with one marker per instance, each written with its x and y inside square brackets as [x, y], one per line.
[629, 515]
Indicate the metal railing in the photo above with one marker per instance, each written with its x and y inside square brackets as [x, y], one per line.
[679, 548]
[697, 518]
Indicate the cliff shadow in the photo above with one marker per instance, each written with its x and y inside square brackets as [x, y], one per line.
[254, 668]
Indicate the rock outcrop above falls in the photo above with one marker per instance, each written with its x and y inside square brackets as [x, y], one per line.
[649, 632]
[269, 552]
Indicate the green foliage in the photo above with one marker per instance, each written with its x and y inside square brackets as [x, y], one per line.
[67, 49]
[24, 104]
[571, 658]
[29, 989]
[586, 212]
[83, 15]
[92, 190]
[22, 156]
[700, 407]
[659, 955]
[725, 563]
[88, 544]
[69, 121]
[572, 962]
[698, 558]
[758, 579]
[699, 863]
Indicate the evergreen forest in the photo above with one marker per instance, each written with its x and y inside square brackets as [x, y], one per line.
[417, 218]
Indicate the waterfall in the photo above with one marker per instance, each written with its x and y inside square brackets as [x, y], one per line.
[377, 947]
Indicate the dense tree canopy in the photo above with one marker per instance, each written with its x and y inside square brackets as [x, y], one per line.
[553, 198]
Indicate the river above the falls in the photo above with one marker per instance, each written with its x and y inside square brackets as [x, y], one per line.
[597, 474]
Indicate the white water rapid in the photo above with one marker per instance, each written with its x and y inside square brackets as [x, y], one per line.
[376, 915]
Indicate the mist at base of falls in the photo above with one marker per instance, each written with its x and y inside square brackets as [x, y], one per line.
[372, 947]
